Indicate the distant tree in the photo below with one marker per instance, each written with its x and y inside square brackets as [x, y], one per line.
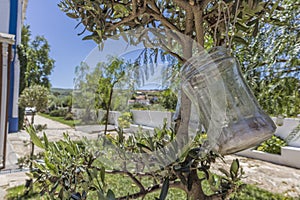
[23, 58]
[94, 88]
[168, 99]
[35, 96]
[35, 63]
[84, 91]
[39, 65]
[68, 102]
[111, 74]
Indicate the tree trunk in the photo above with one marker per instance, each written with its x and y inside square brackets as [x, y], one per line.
[194, 188]
[31, 144]
[107, 110]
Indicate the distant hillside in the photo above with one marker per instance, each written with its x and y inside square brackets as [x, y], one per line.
[61, 91]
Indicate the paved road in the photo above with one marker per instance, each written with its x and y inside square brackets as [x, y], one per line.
[275, 178]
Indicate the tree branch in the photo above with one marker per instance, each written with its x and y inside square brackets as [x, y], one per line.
[189, 21]
[175, 184]
[124, 172]
[134, 7]
[113, 26]
[162, 19]
[198, 15]
[154, 6]
[182, 4]
[137, 182]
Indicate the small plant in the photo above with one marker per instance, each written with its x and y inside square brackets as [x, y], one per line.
[58, 113]
[69, 116]
[67, 170]
[272, 145]
[71, 170]
[168, 99]
[125, 119]
[24, 162]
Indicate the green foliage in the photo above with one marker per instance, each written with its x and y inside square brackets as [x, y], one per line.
[58, 113]
[120, 184]
[271, 60]
[233, 19]
[139, 106]
[93, 87]
[17, 193]
[272, 145]
[69, 116]
[24, 162]
[22, 54]
[70, 123]
[36, 64]
[34, 96]
[61, 92]
[168, 99]
[209, 23]
[68, 170]
[124, 120]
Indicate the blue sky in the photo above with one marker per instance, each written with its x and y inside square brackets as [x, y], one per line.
[67, 49]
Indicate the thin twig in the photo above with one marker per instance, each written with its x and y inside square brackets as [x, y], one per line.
[234, 21]
[175, 184]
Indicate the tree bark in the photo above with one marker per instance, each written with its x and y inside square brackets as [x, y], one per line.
[194, 18]
[195, 192]
[107, 110]
[31, 143]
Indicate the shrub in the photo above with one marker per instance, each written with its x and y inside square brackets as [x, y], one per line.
[272, 145]
[24, 162]
[168, 99]
[125, 119]
[139, 106]
[72, 170]
[58, 113]
[69, 116]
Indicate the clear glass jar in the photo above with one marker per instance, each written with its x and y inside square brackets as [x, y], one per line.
[223, 103]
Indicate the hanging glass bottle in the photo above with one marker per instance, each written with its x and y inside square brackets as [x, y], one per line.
[223, 103]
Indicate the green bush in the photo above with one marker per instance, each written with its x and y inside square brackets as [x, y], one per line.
[58, 113]
[139, 106]
[168, 99]
[69, 116]
[272, 145]
[71, 169]
[125, 119]
[24, 162]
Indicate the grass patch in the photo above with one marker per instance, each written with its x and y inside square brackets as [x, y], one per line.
[120, 185]
[251, 192]
[70, 123]
[17, 193]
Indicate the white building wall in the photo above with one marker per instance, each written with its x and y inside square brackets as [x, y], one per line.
[4, 15]
[3, 101]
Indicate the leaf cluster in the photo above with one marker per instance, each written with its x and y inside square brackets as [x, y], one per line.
[66, 170]
[34, 96]
[272, 145]
[36, 63]
[72, 170]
